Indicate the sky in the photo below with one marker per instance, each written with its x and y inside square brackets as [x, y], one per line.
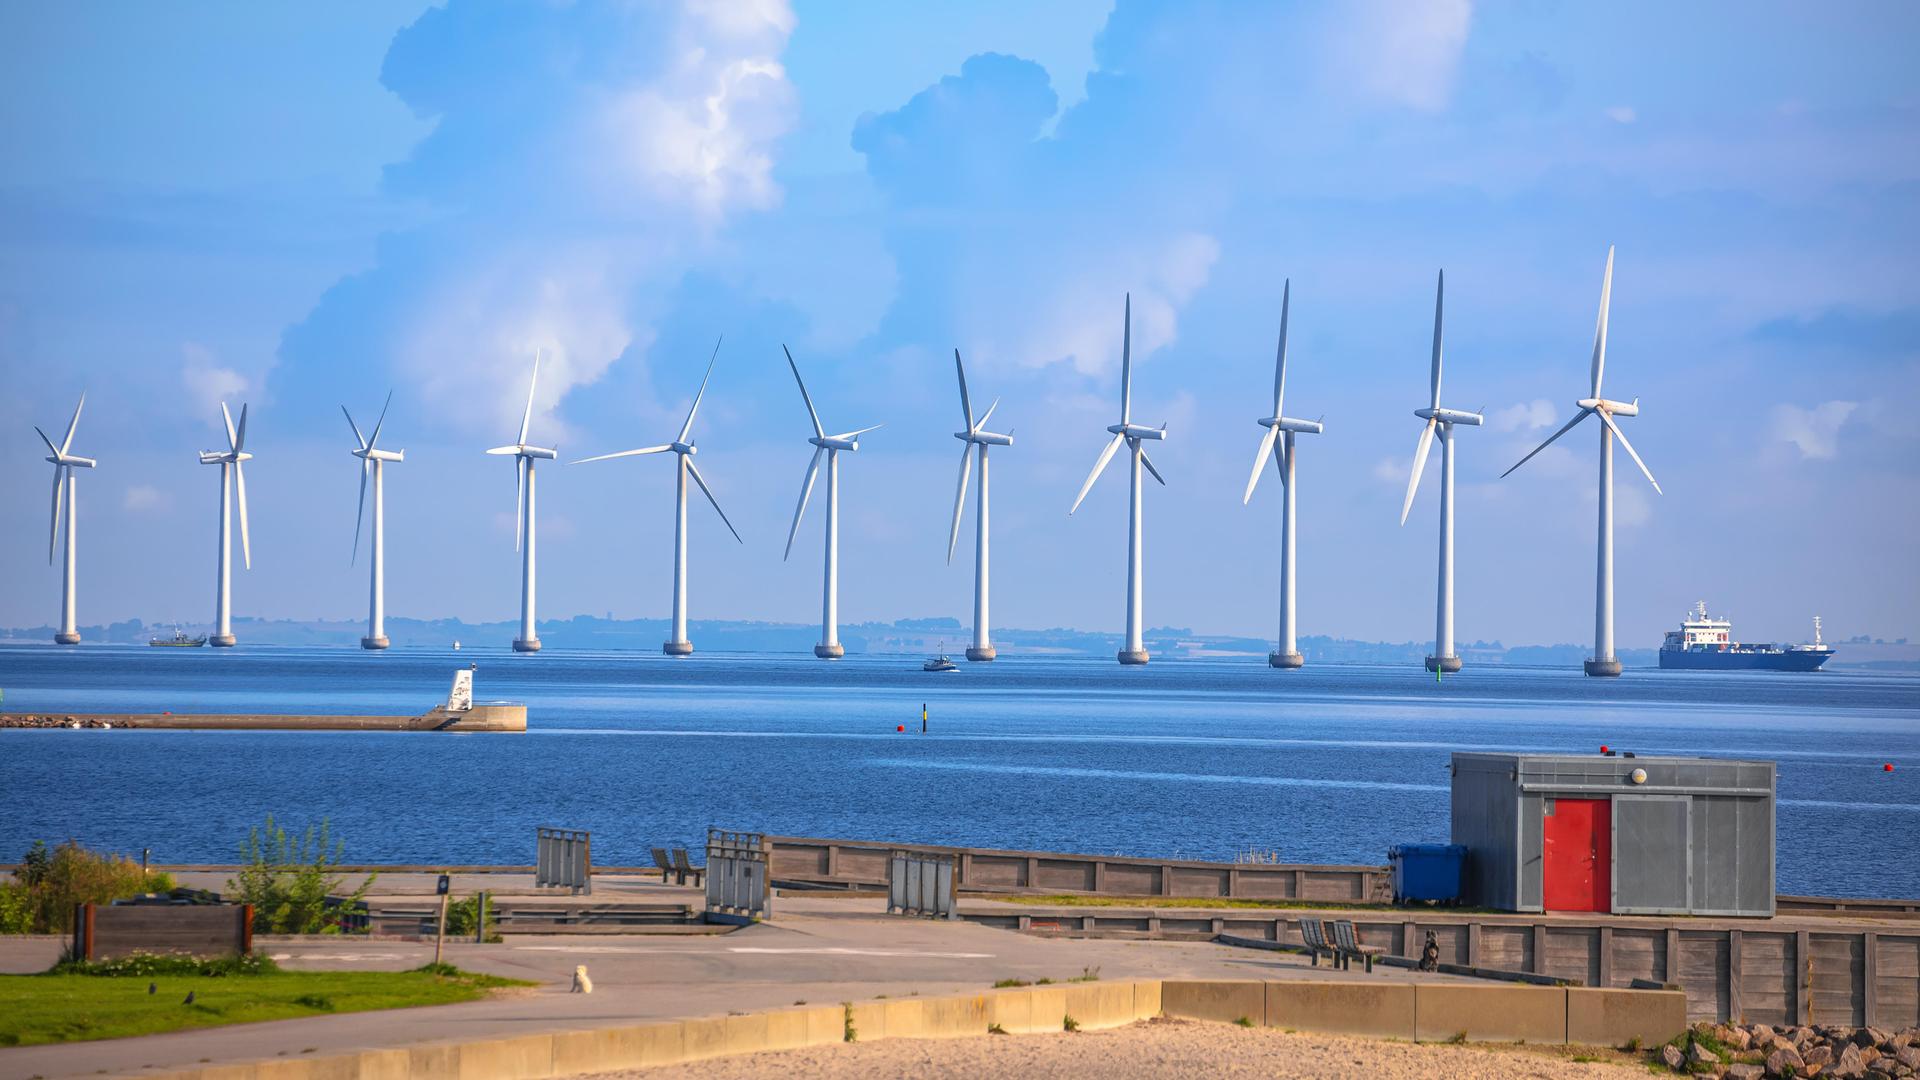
[300, 208]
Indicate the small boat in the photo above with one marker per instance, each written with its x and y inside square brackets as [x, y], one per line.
[179, 640]
[456, 645]
[940, 663]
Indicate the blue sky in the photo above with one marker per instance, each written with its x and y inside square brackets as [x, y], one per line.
[297, 209]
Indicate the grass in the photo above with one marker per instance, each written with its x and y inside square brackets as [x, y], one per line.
[68, 1007]
[1075, 900]
[1003, 984]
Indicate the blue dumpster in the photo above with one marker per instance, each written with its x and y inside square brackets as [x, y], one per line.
[1427, 872]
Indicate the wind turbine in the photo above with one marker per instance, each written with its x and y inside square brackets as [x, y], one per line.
[64, 489]
[523, 458]
[373, 459]
[1134, 435]
[976, 435]
[830, 445]
[683, 449]
[1443, 658]
[1602, 662]
[230, 461]
[1281, 450]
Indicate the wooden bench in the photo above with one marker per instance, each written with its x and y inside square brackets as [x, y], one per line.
[1346, 944]
[1314, 936]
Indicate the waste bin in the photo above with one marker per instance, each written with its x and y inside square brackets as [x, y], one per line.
[1427, 872]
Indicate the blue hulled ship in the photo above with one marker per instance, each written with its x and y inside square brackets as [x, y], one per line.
[1704, 643]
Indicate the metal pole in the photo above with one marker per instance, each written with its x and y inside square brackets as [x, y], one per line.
[1288, 644]
[1603, 577]
[982, 643]
[69, 632]
[223, 580]
[1136, 651]
[830, 590]
[440, 928]
[376, 603]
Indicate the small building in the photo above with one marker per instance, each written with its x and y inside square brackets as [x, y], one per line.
[1616, 833]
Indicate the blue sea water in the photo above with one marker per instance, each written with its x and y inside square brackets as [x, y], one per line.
[1191, 758]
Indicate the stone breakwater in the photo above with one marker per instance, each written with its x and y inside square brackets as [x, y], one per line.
[489, 717]
[23, 720]
[1757, 1052]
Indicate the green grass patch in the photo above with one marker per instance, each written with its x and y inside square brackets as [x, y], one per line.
[66, 1005]
[1003, 984]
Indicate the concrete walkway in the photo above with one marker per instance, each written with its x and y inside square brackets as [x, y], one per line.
[819, 951]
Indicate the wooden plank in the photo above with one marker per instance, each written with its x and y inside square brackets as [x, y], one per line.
[1869, 978]
[1837, 980]
[1603, 965]
[1736, 998]
[1802, 979]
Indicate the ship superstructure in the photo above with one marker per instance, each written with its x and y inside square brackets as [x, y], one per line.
[1704, 643]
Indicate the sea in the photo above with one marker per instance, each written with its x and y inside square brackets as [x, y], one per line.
[1185, 758]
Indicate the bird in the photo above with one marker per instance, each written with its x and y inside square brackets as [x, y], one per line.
[153, 988]
[189, 1000]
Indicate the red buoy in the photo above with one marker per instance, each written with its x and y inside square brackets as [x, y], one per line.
[899, 727]
[1603, 748]
[1888, 767]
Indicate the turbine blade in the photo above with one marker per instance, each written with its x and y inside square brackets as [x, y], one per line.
[59, 494]
[1105, 456]
[1280, 459]
[818, 431]
[504, 450]
[1568, 426]
[959, 499]
[1280, 352]
[1600, 328]
[526, 419]
[1439, 307]
[228, 417]
[688, 426]
[67, 443]
[360, 514]
[240, 441]
[702, 481]
[374, 439]
[966, 404]
[1260, 462]
[623, 453]
[51, 449]
[1622, 436]
[985, 416]
[1126, 365]
[240, 490]
[1148, 462]
[357, 437]
[519, 499]
[1419, 464]
[857, 434]
[806, 489]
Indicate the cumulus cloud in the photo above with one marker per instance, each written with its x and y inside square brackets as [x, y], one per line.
[1815, 431]
[145, 498]
[1401, 53]
[206, 382]
[1523, 416]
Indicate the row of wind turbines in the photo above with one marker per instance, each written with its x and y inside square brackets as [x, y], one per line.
[1277, 443]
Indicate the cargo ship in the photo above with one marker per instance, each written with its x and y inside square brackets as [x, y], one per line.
[1704, 643]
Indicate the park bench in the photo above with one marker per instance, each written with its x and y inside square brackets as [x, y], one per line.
[665, 864]
[1315, 938]
[683, 866]
[1346, 943]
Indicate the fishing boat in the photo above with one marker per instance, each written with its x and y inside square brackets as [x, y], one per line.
[179, 640]
[942, 662]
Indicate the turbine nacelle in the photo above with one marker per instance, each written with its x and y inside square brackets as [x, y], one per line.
[1617, 408]
[374, 454]
[683, 448]
[1137, 431]
[985, 438]
[221, 457]
[1451, 416]
[542, 452]
[1287, 423]
[72, 461]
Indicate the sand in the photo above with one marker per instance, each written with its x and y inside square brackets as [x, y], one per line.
[1154, 1048]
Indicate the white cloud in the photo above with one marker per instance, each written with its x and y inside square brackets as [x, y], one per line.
[1622, 114]
[1392, 470]
[206, 382]
[1084, 323]
[1401, 53]
[1523, 416]
[145, 498]
[1815, 431]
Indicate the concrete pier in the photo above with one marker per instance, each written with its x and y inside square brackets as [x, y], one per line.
[440, 718]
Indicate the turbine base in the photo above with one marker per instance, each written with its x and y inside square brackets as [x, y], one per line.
[1288, 660]
[983, 652]
[223, 641]
[1446, 664]
[1609, 669]
[374, 643]
[677, 648]
[1132, 656]
[526, 644]
[829, 652]
[65, 638]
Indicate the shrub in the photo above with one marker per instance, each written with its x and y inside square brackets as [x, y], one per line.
[463, 915]
[41, 898]
[151, 965]
[290, 881]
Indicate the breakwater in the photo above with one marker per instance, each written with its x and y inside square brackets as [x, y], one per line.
[477, 718]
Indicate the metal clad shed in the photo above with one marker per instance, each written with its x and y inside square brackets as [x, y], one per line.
[1629, 835]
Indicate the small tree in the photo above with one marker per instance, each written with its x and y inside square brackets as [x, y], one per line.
[289, 881]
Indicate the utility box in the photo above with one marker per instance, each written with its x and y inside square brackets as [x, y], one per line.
[1620, 834]
[1429, 872]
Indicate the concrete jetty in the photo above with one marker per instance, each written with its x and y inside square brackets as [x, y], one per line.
[457, 713]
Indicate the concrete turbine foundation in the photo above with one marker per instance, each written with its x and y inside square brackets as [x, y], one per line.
[1446, 664]
[524, 645]
[677, 648]
[1285, 660]
[975, 652]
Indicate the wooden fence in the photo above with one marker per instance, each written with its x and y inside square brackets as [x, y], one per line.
[209, 930]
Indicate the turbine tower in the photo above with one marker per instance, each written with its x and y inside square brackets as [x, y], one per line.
[683, 450]
[1437, 418]
[1134, 435]
[1602, 662]
[64, 489]
[373, 459]
[974, 436]
[230, 461]
[830, 445]
[1281, 450]
[524, 456]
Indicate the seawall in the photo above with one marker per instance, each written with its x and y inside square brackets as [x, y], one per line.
[478, 718]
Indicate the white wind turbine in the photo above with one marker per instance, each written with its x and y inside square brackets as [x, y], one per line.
[830, 445]
[1281, 451]
[976, 435]
[524, 456]
[373, 459]
[1134, 436]
[683, 450]
[1602, 662]
[64, 489]
[1437, 418]
[230, 461]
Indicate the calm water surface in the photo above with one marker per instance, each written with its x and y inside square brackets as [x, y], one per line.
[1199, 759]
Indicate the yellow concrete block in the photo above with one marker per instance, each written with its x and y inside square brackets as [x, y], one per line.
[391, 1064]
[520, 1057]
[704, 1038]
[1146, 999]
[748, 1034]
[905, 1019]
[1100, 1004]
[869, 1021]
[1012, 1010]
[1048, 1006]
[434, 1061]
[1381, 1009]
[1222, 1000]
[951, 1017]
[790, 1029]
[826, 1024]
[1535, 1014]
[1614, 1017]
[309, 1067]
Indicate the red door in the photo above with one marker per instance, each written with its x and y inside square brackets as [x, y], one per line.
[1577, 857]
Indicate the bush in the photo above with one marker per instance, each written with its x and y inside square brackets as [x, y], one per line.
[463, 915]
[290, 881]
[151, 965]
[41, 898]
